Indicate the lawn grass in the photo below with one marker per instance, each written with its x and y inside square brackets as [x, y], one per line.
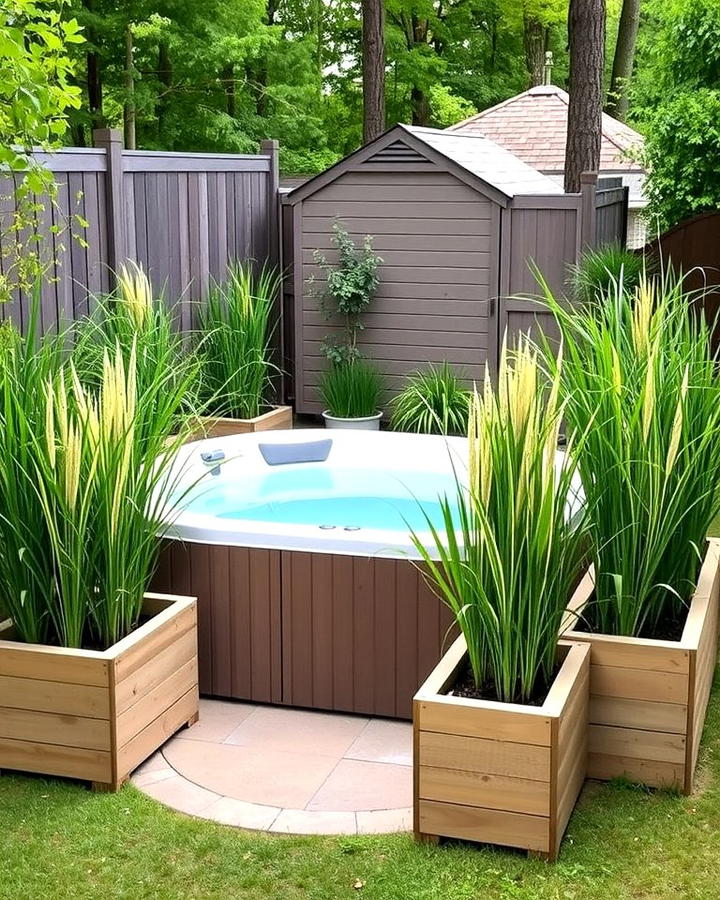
[59, 840]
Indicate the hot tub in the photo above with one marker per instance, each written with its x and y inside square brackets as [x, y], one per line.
[309, 592]
[363, 499]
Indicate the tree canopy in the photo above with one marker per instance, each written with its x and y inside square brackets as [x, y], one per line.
[224, 74]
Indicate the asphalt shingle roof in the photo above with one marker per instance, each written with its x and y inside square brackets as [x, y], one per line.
[487, 160]
[533, 126]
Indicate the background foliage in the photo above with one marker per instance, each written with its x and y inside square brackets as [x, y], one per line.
[36, 95]
[675, 101]
[224, 74]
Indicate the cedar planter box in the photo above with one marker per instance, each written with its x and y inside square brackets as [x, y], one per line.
[500, 773]
[97, 715]
[278, 417]
[648, 698]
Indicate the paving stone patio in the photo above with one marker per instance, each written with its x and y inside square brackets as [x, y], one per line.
[286, 770]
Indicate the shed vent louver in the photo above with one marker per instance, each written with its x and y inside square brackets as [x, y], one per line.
[397, 153]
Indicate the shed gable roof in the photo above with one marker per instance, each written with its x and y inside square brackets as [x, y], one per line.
[533, 126]
[479, 162]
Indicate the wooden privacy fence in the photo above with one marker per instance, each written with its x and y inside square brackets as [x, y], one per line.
[607, 216]
[693, 248]
[184, 216]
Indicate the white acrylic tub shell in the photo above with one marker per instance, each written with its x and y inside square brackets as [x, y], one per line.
[351, 450]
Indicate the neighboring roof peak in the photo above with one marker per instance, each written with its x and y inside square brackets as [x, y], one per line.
[533, 126]
[544, 90]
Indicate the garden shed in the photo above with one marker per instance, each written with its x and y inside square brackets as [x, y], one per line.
[456, 219]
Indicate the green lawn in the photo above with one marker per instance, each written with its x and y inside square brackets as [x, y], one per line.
[58, 840]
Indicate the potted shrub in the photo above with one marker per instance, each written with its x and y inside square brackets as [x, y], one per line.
[500, 724]
[351, 392]
[235, 332]
[350, 388]
[638, 374]
[95, 673]
[433, 402]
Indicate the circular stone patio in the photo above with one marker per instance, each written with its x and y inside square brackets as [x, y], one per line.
[286, 770]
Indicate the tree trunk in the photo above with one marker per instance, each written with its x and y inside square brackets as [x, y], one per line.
[129, 107]
[373, 68]
[165, 79]
[94, 90]
[94, 74]
[534, 42]
[228, 80]
[77, 134]
[420, 106]
[586, 33]
[260, 75]
[617, 101]
[319, 38]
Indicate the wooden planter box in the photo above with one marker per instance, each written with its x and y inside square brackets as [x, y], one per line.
[648, 698]
[278, 417]
[500, 773]
[97, 715]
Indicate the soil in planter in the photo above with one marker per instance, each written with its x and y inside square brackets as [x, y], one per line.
[466, 687]
[89, 644]
[667, 630]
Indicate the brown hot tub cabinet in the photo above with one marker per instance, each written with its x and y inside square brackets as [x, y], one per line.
[648, 698]
[323, 631]
[97, 715]
[500, 773]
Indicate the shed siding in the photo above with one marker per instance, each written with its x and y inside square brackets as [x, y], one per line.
[435, 235]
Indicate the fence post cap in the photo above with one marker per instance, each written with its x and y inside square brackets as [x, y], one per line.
[269, 145]
[589, 178]
[107, 136]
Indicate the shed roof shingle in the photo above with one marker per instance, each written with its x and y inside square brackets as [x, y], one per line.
[533, 126]
[487, 160]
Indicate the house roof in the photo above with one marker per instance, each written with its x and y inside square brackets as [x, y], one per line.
[533, 126]
[480, 162]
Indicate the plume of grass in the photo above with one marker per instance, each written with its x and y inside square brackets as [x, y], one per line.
[132, 317]
[235, 330]
[638, 376]
[508, 553]
[351, 389]
[433, 402]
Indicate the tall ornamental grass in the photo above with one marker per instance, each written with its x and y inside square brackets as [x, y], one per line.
[136, 320]
[27, 576]
[235, 328]
[600, 267]
[508, 553]
[433, 402]
[84, 493]
[351, 390]
[638, 379]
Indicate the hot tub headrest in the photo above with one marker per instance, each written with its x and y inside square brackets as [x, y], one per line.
[285, 454]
